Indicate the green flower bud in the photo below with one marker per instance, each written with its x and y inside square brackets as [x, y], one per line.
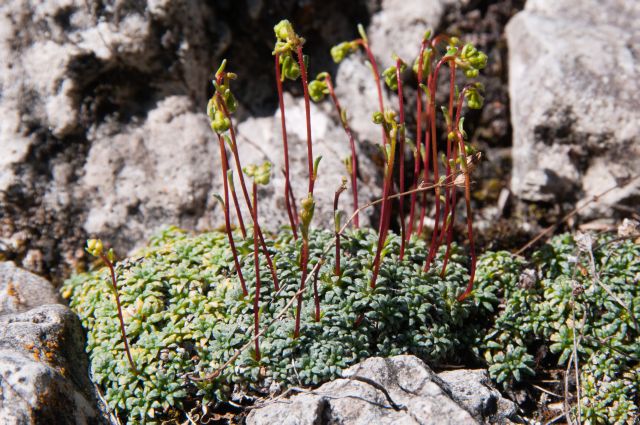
[471, 73]
[220, 123]
[318, 90]
[290, 68]
[475, 100]
[342, 50]
[378, 117]
[389, 76]
[94, 247]
[307, 207]
[263, 173]
[282, 29]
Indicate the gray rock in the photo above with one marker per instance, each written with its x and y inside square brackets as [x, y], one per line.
[400, 25]
[21, 291]
[100, 133]
[151, 174]
[43, 369]
[397, 390]
[103, 130]
[260, 139]
[474, 390]
[573, 80]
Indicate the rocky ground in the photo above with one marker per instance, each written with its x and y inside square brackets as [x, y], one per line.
[103, 133]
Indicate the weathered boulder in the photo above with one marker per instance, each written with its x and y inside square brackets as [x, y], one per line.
[43, 369]
[21, 291]
[397, 390]
[573, 81]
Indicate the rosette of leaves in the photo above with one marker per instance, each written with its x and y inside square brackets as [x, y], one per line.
[575, 306]
[185, 315]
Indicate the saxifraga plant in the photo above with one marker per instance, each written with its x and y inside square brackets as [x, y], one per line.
[261, 176]
[96, 248]
[219, 109]
[372, 307]
[466, 58]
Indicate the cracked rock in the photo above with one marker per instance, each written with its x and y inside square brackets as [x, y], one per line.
[397, 390]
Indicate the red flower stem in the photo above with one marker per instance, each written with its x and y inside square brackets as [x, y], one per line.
[236, 204]
[352, 144]
[448, 225]
[386, 188]
[256, 264]
[449, 229]
[450, 154]
[467, 199]
[336, 199]
[376, 77]
[288, 193]
[430, 121]
[227, 221]
[114, 284]
[307, 110]
[401, 157]
[304, 260]
[337, 270]
[416, 161]
[433, 248]
[385, 215]
[245, 192]
[316, 297]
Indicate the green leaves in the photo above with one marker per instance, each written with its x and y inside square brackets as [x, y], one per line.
[184, 300]
[559, 305]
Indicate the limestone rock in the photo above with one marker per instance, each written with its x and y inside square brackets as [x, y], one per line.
[21, 290]
[103, 129]
[474, 390]
[400, 25]
[414, 395]
[259, 139]
[147, 176]
[43, 369]
[573, 80]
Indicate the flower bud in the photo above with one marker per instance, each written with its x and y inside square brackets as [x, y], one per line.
[94, 247]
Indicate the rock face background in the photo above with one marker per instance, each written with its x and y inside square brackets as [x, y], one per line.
[103, 127]
[574, 78]
[103, 131]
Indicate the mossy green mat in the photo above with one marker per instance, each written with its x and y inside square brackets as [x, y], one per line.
[185, 314]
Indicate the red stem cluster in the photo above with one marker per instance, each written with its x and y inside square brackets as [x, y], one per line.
[289, 199]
